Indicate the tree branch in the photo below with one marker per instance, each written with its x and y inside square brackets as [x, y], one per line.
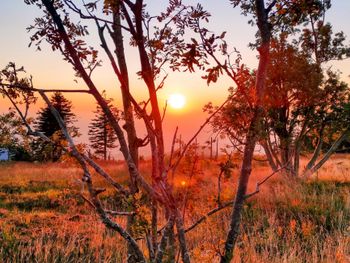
[26, 88]
[87, 178]
[257, 189]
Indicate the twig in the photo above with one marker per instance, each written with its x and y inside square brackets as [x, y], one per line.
[211, 212]
[87, 178]
[258, 184]
[119, 213]
[164, 110]
[173, 147]
[225, 205]
[87, 200]
[105, 175]
[196, 134]
[26, 88]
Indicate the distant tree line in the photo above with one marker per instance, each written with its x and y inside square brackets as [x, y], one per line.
[13, 135]
[290, 101]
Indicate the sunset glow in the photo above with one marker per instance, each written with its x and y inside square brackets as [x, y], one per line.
[175, 131]
[177, 101]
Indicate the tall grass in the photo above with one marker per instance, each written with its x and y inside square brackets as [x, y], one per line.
[44, 219]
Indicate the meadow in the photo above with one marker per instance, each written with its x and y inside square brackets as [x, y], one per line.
[44, 218]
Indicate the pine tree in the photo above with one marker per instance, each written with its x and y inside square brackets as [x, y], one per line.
[47, 124]
[101, 135]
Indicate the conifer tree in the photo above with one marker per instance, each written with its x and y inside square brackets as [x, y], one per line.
[47, 124]
[101, 135]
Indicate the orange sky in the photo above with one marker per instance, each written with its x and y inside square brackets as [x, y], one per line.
[50, 71]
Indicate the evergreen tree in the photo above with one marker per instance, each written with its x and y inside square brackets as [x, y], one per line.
[101, 135]
[47, 124]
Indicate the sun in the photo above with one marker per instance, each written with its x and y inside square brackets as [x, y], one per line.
[177, 101]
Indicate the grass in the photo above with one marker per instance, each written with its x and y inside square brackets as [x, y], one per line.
[44, 219]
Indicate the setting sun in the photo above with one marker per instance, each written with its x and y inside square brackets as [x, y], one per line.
[160, 133]
[177, 101]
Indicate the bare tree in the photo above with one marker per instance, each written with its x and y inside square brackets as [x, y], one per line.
[155, 50]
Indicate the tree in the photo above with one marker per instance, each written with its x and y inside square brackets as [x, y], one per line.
[13, 136]
[101, 135]
[47, 124]
[14, 132]
[10, 127]
[304, 98]
[249, 103]
[154, 50]
[165, 47]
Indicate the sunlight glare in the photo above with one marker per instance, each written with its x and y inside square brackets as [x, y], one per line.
[177, 101]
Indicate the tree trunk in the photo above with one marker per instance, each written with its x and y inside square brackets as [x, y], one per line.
[269, 155]
[296, 160]
[329, 153]
[182, 240]
[285, 148]
[127, 105]
[100, 100]
[161, 190]
[253, 132]
[297, 150]
[317, 151]
[105, 139]
[129, 126]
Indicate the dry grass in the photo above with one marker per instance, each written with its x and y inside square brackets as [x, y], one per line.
[44, 219]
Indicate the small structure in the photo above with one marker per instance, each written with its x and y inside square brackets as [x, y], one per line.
[4, 154]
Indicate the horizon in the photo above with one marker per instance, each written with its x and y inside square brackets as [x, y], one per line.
[43, 65]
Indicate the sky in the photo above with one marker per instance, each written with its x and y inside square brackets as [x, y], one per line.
[50, 71]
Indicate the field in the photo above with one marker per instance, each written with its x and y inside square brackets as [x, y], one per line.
[43, 217]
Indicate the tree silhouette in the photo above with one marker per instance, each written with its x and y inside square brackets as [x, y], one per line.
[48, 125]
[305, 101]
[249, 105]
[101, 135]
[165, 46]
[156, 46]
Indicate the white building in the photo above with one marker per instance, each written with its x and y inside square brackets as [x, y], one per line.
[4, 154]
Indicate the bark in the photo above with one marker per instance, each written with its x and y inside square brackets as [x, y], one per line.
[253, 131]
[219, 188]
[286, 155]
[316, 153]
[269, 155]
[171, 246]
[154, 224]
[285, 137]
[273, 152]
[129, 126]
[329, 153]
[182, 239]
[298, 147]
[148, 77]
[241, 190]
[296, 161]
[164, 240]
[105, 141]
[159, 174]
